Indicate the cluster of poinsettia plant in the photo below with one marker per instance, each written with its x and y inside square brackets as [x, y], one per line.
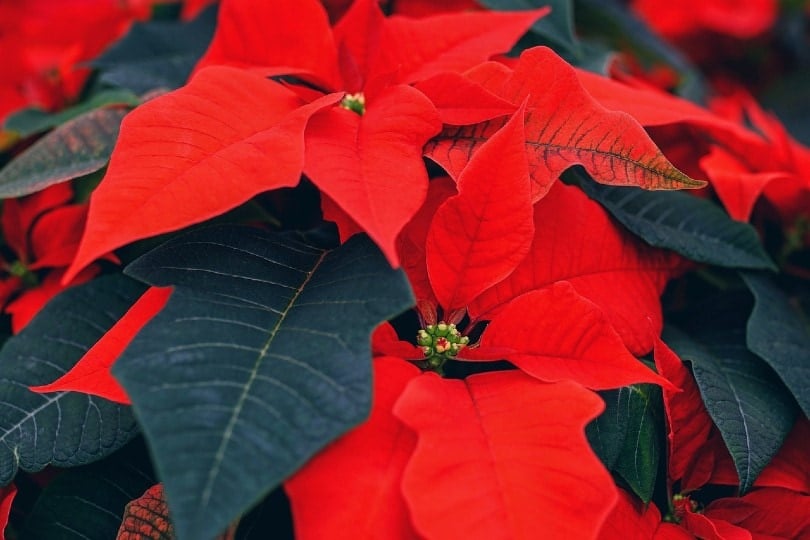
[399, 269]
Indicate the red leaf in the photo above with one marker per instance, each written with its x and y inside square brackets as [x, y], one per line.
[147, 517]
[7, 495]
[737, 187]
[91, 374]
[479, 236]
[556, 334]
[371, 164]
[386, 342]
[575, 240]
[707, 528]
[20, 215]
[195, 153]
[631, 520]
[422, 48]
[411, 242]
[280, 37]
[460, 100]
[358, 36]
[27, 305]
[565, 127]
[688, 422]
[55, 236]
[770, 513]
[351, 489]
[501, 455]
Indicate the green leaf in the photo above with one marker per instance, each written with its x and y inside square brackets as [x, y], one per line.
[260, 358]
[779, 335]
[156, 54]
[745, 399]
[27, 122]
[556, 28]
[694, 227]
[626, 436]
[87, 503]
[76, 148]
[65, 428]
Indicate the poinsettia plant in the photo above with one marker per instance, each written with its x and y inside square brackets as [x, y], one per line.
[406, 269]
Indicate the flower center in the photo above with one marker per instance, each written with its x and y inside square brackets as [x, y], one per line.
[439, 343]
[354, 102]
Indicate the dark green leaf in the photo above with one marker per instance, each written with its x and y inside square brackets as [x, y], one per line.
[259, 359]
[63, 428]
[777, 333]
[745, 399]
[156, 54]
[87, 503]
[78, 147]
[694, 227]
[30, 121]
[556, 28]
[626, 438]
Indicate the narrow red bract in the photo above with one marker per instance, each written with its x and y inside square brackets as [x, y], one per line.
[479, 236]
[91, 374]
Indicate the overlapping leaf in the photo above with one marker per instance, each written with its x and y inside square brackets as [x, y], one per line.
[259, 359]
[565, 127]
[555, 334]
[80, 146]
[371, 164]
[622, 276]
[64, 429]
[195, 153]
[777, 333]
[489, 462]
[694, 227]
[479, 236]
[745, 399]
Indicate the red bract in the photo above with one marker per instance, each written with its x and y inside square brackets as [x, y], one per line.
[738, 18]
[501, 455]
[365, 155]
[42, 233]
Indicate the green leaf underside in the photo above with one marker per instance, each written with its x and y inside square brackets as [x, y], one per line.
[626, 437]
[777, 334]
[78, 147]
[64, 428]
[259, 359]
[88, 503]
[32, 120]
[744, 398]
[693, 227]
[156, 54]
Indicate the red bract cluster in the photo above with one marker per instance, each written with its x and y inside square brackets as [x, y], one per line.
[514, 197]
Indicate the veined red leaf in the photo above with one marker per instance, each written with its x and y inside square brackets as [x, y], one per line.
[91, 374]
[556, 335]
[479, 236]
[502, 456]
[371, 164]
[461, 101]
[278, 37]
[195, 153]
[575, 240]
[358, 35]
[351, 489]
[770, 513]
[147, 517]
[422, 48]
[688, 423]
[706, 528]
[565, 127]
[7, 495]
[55, 236]
[20, 215]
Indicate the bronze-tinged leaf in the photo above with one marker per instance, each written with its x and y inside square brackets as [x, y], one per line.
[147, 518]
[564, 126]
[78, 147]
